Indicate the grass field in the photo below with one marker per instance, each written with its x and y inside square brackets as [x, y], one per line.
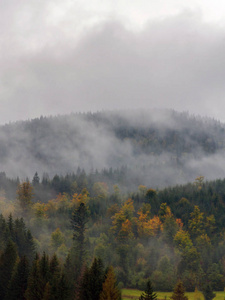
[135, 294]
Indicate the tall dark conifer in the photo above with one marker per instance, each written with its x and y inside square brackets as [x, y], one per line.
[208, 292]
[7, 264]
[78, 252]
[148, 294]
[18, 283]
[35, 287]
[44, 270]
[92, 281]
[179, 292]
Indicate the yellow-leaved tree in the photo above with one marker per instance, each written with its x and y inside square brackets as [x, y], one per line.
[110, 291]
[25, 195]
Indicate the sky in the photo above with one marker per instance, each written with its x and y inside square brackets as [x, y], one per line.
[58, 57]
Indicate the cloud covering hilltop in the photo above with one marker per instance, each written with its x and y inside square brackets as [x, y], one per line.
[160, 147]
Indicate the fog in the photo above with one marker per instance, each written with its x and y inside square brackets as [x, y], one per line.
[158, 147]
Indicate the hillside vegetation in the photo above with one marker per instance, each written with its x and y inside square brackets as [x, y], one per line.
[84, 232]
[157, 147]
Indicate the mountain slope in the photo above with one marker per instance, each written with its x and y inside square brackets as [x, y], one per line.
[160, 147]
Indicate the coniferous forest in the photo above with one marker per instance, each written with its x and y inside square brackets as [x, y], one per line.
[88, 232]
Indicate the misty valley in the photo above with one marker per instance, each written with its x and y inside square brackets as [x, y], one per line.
[95, 203]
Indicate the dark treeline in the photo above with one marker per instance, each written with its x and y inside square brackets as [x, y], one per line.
[25, 274]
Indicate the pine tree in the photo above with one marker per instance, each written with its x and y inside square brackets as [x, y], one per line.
[44, 270]
[18, 283]
[30, 246]
[62, 289]
[23, 240]
[110, 290]
[78, 221]
[77, 253]
[3, 232]
[208, 292]
[11, 227]
[93, 278]
[80, 284]
[179, 292]
[7, 264]
[148, 293]
[96, 278]
[47, 292]
[35, 285]
[36, 179]
[69, 273]
[54, 267]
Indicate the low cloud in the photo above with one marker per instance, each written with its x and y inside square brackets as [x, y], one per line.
[177, 62]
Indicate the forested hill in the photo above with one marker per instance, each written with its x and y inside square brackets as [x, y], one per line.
[160, 147]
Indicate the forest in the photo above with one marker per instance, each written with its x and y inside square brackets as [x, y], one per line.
[157, 147]
[85, 233]
[85, 226]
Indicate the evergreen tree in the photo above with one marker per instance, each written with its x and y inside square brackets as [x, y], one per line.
[80, 284]
[35, 284]
[7, 264]
[18, 283]
[96, 279]
[3, 232]
[30, 246]
[36, 179]
[110, 290]
[179, 292]
[24, 240]
[148, 293]
[11, 227]
[54, 270]
[92, 281]
[78, 221]
[44, 269]
[47, 292]
[69, 274]
[208, 292]
[62, 289]
[54, 267]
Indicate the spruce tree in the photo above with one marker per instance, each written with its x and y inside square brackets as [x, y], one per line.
[44, 270]
[35, 284]
[80, 284]
[96, 278]
[148, 293]
[7, 264]
[78, 252]
[47, 292]
[4, 232]
[69, 274]
[62, 289]
[91, 285]
[179, 292]
[18, 283]
[54, 268]
[208, 292]
[36, 179]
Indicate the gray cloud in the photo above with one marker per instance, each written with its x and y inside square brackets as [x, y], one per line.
[178, 62]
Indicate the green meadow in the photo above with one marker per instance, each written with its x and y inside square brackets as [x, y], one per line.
[135, 294]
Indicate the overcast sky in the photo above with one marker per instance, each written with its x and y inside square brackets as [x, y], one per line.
[67, 56]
